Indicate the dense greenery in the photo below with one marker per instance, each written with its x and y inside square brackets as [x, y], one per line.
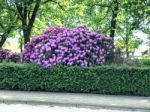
[116, 18]
[145, 60]
[100, 79]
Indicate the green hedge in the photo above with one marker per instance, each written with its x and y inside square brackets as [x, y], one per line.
[101, 79]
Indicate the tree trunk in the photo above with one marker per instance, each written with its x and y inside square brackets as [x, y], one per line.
[26, 18]
[113, 27]
[3, 39]
[26, 35]
[127, 53]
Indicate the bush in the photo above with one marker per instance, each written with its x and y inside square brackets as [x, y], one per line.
[62, 45]
[145, 60]
[8, 55]
[128, 61]
[4, 53]
[101, 79]
[14, 57]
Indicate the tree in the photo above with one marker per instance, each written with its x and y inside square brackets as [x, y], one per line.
[103, 15]
[128, 46]
[27, 10]
[109, 15]
[130, 19]
[8, 21]
[27, 13]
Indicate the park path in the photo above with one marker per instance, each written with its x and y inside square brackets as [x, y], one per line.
[76, 99]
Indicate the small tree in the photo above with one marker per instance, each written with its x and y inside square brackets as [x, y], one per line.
[129, 45]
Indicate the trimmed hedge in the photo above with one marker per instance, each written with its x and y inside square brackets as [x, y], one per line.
[101, 79]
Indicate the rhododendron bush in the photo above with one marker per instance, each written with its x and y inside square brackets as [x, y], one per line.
[68, 46]
[8, 55]
[4, 53]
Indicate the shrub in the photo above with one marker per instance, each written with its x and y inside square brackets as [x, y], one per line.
[145, 60]
[62, 45]
[101, 79]
[128, 61]
[14, 57]
[8, 55]
[4, 53]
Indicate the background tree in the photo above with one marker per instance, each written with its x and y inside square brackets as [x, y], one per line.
[8, 21]
[107, 16]
[27, 12]
[128, 46]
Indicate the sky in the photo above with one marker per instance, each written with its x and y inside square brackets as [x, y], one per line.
[144, 45]
[12, 44]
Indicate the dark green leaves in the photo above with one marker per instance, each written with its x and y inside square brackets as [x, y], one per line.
[99, 79]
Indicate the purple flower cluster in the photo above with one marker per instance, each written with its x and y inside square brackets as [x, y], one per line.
[63, 45]
[14, 57]
[6, 54]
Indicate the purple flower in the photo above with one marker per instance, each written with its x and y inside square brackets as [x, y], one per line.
[6, 54]
[68, 46]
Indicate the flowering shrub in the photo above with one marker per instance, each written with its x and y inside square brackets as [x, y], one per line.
[62, 45]
[14, 57]
[6, 54]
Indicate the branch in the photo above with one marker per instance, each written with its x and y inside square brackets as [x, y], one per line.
[7, 31]
[105, 15]
[46, 2]
[37, 5]
[107, 29]
[19, 9]
[2, 26]
[25, 13]
[54, 1]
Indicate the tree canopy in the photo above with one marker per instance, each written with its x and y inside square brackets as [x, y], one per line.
[115, 18]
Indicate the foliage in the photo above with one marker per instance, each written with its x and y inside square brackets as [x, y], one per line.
[26, 12]
[128, 45]
[118, 17]
[145, 60]
[8, 21]
[102, 15]
[62, 45]
[100, 79]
